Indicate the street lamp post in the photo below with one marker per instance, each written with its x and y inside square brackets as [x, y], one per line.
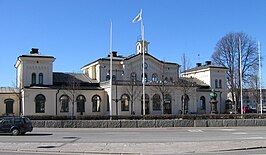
[133, 82]
[116, 97]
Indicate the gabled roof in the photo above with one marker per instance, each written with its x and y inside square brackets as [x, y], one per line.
[115, 58]
[198, 82]
[203, 67]
[81, 87]
[62, 80]
[59, 77]
[122, 58]
[147, 54]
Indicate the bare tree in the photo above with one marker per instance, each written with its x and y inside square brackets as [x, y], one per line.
[186, 86]
[227, 54]
[253, 86]
[17, 90]
[164, 86]
[133, 90]
[72, 87]
[185, 62]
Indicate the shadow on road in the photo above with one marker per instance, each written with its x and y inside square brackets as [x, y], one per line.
[28, 134]
[46, 147]
[37, 134]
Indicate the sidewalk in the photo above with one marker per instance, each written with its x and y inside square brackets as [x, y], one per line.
[131, 148]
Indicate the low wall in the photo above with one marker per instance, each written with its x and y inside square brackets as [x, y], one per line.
[146, 123]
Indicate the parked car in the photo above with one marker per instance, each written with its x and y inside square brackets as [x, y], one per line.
[249, 109]
[15, 125]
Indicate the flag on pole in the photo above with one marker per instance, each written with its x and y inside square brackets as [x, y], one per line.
[135, 20]
[138, 17]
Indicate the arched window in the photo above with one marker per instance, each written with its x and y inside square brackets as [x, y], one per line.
[33, 78]
[133, 76]
[229, 106]
[114, 78]
[41, 78]
[156, 102]
[96, 103]
[64, 101]
[166, 79]
[220, 83]
[107, 77]
[81, 103]
[154, 77]
[202, 103]
[125, 102]
[40, 103]
[9, 106]
[171, 79]
[185, 100]
[216, 83]
[145, 79]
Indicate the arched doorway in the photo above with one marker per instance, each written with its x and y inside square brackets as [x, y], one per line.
[203, 104]
[167, 106]
[81, 104]
[40, 103]
[147, 105]
[96, 103]
[125, 102]
[229, 106]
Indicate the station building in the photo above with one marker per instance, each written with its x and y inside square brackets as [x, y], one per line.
[42, 91]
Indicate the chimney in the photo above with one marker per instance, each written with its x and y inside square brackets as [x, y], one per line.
[208, 62]
[114, 53]
[34, 51]
[198, 64]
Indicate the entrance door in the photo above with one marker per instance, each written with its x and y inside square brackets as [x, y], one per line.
[167, 106]
[9, 106]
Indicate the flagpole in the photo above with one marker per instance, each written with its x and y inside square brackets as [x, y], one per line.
[137, 19]
[111, 69]
[260, 77]
[143, 67]
[240, 67]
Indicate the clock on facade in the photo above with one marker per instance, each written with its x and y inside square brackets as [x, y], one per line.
[145, 65]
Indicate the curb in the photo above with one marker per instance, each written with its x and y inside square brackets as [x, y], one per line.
[62, 151]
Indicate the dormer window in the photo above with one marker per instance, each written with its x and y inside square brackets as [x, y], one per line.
[33, 78]
[41, 78]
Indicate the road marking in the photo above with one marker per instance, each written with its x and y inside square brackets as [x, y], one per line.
[120, 133]
[253, 138]
[239, 133]
[228, 129]
[195, 131]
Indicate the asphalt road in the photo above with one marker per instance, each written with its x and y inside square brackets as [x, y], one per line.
[235, 141]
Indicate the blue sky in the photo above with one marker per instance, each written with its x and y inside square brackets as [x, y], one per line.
[76, 32]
